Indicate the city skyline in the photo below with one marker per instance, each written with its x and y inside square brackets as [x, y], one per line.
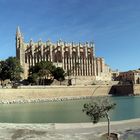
[112, 25]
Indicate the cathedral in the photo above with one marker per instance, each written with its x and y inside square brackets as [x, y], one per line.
[76, 58]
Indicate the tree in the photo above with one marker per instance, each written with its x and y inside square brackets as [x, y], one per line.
[59, 74]
[10, 69]
[42, 71]
[98, 109]
[33, 78]
[43, 75]
[43, 65]
[2, 71]
[14, 68]
[45, 72]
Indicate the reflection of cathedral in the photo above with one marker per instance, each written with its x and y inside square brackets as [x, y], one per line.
[78, 59]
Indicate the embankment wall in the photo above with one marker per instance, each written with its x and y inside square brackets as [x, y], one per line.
[121, 90]
[26, 94]
[136, 89]
[38, 92]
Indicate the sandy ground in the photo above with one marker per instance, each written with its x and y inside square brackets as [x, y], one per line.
[128, 130]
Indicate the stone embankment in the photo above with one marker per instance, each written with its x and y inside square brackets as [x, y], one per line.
[125, 90]
[35, 94]
[136, 89]
[20, 101]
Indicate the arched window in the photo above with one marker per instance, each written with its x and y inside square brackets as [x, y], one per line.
[59, 56]
[54, 57]
[25, 57]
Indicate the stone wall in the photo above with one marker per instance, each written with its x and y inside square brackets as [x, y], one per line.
[136, 89]
[129, 89]
[45, 92]
[121, 90]
[76, 80]
[42, 92]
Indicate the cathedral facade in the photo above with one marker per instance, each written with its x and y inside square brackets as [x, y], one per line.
[76, 59]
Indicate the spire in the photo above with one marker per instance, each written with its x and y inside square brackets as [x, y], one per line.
[18, 31]
[31, 40]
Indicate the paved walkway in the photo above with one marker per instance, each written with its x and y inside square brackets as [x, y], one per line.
[77, 131]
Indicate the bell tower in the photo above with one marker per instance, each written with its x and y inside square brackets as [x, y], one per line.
[19, 42]
[20, 50]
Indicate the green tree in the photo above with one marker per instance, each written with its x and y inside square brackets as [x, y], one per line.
[59, 74]
[10, 69]
[42, 71]
[43, 65]
[33, 78]
[14, 68]
[98, 109]
[44, 74]
[3, 72]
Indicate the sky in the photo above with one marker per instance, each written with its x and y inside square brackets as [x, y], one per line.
[113, 25]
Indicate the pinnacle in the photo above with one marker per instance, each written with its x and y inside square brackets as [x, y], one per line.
[18, 31]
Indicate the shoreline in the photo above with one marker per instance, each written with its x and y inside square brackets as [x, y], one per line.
[46, 100]
[55, 99]
[84, 131]
[130, 122]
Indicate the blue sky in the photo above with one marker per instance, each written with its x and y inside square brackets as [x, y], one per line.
[114, 26]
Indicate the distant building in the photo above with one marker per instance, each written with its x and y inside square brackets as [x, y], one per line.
[132, 76]
[115, 74]
[103, 71]
[78, 59]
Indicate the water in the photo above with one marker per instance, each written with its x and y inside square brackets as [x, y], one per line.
[65, 111]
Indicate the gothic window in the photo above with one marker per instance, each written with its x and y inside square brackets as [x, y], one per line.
[74, 56]
[25, 57]
[54, 57]
[37, 58]
[59, 56]
[66, 56]
[90, 58]
[47, 57]
[29, 59]
[81, 55]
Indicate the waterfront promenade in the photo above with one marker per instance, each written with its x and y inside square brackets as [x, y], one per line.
[76, 131]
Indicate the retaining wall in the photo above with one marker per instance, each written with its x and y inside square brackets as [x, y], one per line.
[121, 90]
[136, 89]
[39, 92]
[46, 92]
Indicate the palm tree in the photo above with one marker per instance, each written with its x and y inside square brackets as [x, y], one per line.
[43, 70]
[44, 74]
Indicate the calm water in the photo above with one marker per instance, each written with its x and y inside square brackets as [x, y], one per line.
[66, 111]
